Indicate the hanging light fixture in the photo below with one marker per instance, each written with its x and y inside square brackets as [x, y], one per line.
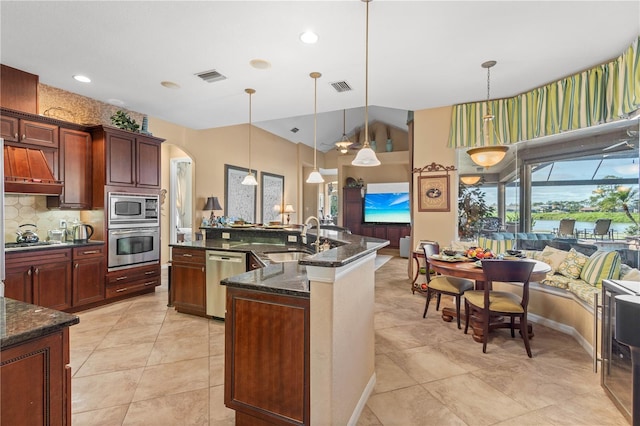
[488, 156]
[250, 179]
[344, 143]
[315, 176]
[366, 157]
[470, 180]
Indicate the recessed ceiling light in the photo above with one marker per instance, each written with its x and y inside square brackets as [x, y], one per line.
[309, 37]
[170, 85]
[260, 64]
[116, 102]
[82, 78]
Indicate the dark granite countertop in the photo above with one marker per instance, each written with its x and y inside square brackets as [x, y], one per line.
[21, 321]
[290, 277]
[52, 246]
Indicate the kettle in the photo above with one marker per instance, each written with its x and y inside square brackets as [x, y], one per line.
[28, 236]
[80, 233]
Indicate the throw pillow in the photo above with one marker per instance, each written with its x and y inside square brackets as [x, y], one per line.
[632, 275]
[496, 246]
[553, 257]
[602, 265]
[572, 265]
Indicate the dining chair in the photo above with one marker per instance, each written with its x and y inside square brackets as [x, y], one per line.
[488, 302]
[602, 228]
[443, 284]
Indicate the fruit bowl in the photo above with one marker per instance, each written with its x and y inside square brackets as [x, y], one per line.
[449, 252]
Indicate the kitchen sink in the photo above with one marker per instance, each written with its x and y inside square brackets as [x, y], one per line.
[286, 256]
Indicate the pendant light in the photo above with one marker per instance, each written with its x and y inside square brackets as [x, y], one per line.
[366, 157]
[315, 176]
[470, 180]
[344, 143]
[488, 156]
[250, 179]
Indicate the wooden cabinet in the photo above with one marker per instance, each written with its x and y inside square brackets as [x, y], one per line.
[352, 206]
[40, 277]
[19, 90]
[189, 280]
[267, 358]
[74, 170]
[143, 279]
[31, 134]
[36, 381]
[253, 262]
[88, 275]
[124, 159]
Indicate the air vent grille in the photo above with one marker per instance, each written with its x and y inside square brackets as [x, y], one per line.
[295, 130]
[211, 76]
[341, 86]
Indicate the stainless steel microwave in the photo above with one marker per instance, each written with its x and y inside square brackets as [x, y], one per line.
[133, 210]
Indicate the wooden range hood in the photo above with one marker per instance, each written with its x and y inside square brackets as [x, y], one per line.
[26, 172]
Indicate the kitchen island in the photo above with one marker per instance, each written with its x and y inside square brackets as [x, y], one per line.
[299, 335]
[36, 378]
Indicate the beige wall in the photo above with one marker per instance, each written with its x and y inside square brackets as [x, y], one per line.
[431, 135]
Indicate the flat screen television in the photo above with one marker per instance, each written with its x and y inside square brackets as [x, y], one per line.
[387, 203]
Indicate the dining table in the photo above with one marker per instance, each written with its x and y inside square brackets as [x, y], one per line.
[462, 267]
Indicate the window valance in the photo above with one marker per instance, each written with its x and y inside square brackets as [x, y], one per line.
[602, 94]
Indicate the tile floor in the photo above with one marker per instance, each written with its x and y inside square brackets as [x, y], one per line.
[138, 362]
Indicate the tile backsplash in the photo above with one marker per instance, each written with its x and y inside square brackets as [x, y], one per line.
[21, 209]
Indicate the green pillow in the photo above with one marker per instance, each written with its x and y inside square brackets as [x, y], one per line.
[572, 265]
[496, 246]
[602, 265]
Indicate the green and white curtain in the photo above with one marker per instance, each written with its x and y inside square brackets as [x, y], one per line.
[602, 94]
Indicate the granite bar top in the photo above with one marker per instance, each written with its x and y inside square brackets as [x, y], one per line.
[53, 246]
[290, 278]
[21, 321]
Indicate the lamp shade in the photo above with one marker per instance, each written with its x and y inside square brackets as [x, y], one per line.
[470, 180]
[212, 204]
[366, 158]
[249, 179]
[488, 156]
[315, 177]
[289, 209]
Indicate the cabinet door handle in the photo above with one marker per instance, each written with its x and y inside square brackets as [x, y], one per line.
[24, 137]
[29, 272]
[91, 252]
[150, 283]
[15, 136]
[187, 255]
[120, 290]
[203, 269]
[76, 266]
[37, 271]
[121, 278]
[150, 272]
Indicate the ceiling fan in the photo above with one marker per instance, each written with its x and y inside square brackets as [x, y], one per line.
[344, 144]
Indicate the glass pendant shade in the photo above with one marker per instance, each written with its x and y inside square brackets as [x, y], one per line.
[366, 157]
[315, 177]
[469, 180]
[488, 156]
[249, 179]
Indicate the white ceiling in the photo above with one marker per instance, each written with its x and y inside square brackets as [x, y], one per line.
[422, 54]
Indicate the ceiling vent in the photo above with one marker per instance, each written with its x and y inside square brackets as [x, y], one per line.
[341, 86]
[211, 76]
[295, 130]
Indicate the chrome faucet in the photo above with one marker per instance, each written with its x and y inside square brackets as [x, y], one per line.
[303, 234]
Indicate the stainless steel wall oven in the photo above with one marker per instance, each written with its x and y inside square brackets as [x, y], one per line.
[133, 247]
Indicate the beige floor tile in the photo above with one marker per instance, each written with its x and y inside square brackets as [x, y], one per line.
[169, 350]
[87, 338]
[124, 336]
[104, 390]
[216, 370]
[216, 344]
[473, 400]
[594, 409]
[185, 409]
[367, 418]
[102, 417]
[411, 406]
[115, 359]
[177, 377]
[389, 375]
[140, 318]
[426, 364]
[219, 414]
[77, 358]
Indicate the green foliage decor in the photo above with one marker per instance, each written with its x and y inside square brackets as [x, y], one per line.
[471, 207]
[122, 121]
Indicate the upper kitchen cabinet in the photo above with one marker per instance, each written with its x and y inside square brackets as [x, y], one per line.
[19, 90]
[124, 159]
[74, 170]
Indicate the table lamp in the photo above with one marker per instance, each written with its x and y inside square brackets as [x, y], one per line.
[288, 209]
[212, 204]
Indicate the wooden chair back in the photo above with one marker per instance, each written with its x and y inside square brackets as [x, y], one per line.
[430, 248]
[508, 271]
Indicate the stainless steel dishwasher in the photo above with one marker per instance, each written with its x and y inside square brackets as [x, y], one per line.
[221, 265]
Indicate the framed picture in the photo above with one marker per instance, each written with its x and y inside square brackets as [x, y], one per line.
[272, 195]
[239, 200]
[434, 193]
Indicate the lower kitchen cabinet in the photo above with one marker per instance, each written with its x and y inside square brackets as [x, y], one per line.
[189, 280]
[42, 278]
[143, 279]
[88, 275]
[267, 358]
